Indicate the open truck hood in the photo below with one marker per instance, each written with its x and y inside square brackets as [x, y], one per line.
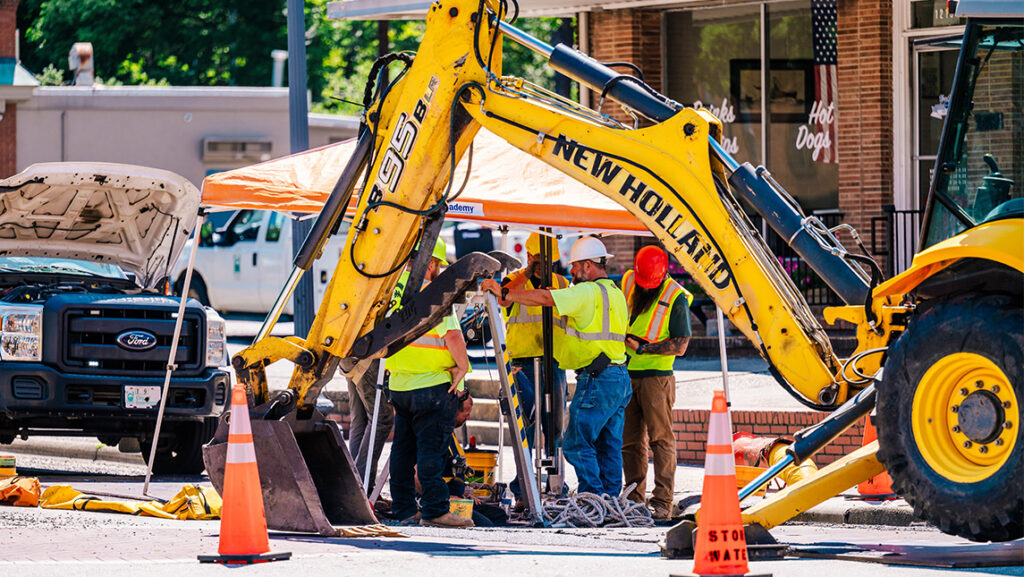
[132, 216]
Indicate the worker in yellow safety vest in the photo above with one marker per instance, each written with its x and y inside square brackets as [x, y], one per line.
[659, 331]
[425, 378]
[594, 347]
[524, 338]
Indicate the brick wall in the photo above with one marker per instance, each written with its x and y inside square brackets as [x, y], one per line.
[691, 430]
[8, 138]
[625, 36]
[864, 139]
[8, 125]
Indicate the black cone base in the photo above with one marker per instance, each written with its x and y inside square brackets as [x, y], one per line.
[244, 559]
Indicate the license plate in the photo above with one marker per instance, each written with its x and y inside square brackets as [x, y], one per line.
[139, 397]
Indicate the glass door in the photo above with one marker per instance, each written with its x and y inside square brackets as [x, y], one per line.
[933, 80]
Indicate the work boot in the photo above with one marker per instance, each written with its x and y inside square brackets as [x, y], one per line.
[415, 519]
[447, 520]
[659, 513]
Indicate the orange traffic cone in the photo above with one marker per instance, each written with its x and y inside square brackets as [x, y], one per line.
[721, 547]
[879, 487]
[243, 525]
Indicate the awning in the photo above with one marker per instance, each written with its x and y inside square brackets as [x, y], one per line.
[506, 187]
[417, 9]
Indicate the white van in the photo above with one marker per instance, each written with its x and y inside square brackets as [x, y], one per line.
[242, 264]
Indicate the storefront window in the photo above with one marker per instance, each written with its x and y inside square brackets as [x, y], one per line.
[714, 60]
[932, 14]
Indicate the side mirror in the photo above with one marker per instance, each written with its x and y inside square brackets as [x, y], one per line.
[223, 237]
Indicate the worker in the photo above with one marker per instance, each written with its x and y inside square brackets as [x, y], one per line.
[524, 338]
[424, 379]
[659, 331]
[594, 347]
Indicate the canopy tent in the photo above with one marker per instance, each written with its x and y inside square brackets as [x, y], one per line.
[506, 187]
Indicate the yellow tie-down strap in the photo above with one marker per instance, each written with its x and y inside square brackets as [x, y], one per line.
[191, 502]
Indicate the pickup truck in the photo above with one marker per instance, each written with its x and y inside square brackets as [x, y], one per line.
[86, 326]
[242, 264]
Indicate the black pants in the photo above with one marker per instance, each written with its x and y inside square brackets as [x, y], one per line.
[424, 420]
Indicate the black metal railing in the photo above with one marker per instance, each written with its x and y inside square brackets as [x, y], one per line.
[895, 235]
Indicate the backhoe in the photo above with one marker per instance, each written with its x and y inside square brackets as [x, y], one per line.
[940, 354]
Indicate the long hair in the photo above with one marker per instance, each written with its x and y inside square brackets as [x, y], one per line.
[641, 300]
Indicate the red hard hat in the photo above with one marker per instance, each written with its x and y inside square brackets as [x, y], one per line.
[650, 264]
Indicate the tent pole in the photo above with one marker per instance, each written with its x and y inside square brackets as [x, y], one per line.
[174, 351]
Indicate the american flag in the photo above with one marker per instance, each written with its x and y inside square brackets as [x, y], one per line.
[823, 29]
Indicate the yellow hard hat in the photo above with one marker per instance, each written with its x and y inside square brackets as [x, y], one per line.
[533, 246]
[441, 251]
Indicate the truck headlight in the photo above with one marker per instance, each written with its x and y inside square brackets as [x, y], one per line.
[216, 341]
[21, 333]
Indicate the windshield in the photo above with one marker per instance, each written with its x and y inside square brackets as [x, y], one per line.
[27, 264]
[979, 170]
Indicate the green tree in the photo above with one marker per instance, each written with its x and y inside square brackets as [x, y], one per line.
[228, 42]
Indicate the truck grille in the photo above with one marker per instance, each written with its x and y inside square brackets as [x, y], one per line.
[91, 341]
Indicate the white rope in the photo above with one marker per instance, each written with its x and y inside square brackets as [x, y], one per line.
[591, 510]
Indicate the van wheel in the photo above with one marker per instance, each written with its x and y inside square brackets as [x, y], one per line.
[196, 290]
[949, 416]
[181, 452]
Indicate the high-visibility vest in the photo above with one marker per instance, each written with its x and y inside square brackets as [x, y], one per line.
[606, 332]
[423, 362]
[524, 325]
[652, 325]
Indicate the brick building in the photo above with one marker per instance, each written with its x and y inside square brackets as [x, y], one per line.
[851, 119]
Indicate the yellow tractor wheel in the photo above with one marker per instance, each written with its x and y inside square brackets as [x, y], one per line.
[949, 416]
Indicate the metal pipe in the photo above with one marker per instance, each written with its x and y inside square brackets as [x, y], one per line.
[523, 39]
[282, 300]
[171, 366]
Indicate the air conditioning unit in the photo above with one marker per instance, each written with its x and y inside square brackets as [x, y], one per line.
[234, 150]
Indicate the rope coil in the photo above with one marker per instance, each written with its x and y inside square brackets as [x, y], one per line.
[592, 510]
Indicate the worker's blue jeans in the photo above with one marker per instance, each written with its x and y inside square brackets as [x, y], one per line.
[525, 390]
[424, 420]
[593, 439]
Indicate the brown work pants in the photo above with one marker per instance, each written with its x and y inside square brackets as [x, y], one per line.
[649, 415]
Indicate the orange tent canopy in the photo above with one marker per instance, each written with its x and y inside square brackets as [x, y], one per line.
[506, 187]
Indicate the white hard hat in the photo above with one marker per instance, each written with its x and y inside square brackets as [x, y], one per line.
[588, 248]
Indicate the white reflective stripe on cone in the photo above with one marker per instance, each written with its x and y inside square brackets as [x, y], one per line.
[241, 453]
[719, 464]
[718, 430]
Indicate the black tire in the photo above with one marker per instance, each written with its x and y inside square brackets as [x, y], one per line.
[181, 453]
[981, 502]
[197, 289]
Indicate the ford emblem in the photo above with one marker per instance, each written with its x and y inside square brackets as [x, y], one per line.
[136, 340]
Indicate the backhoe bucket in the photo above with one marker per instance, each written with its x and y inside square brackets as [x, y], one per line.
[307, 475]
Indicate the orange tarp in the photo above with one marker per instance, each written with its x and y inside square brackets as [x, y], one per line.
[506, 186]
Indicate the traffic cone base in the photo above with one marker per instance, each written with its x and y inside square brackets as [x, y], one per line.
[244, 559]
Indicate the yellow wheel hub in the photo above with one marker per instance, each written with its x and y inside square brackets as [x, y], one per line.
[965, 417]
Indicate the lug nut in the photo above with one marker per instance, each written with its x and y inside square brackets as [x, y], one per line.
[963, 392]
[955, 408]
[980, 384]
[968, 444]
[1006, 404]
[956, 428]
[995, 388]
[1007, 425]
[983, 449]
[999, 442]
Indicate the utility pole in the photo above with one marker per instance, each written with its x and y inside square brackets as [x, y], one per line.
[298, 121]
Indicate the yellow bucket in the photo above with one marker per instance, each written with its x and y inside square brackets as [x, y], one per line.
[461, 508]
[745, 475]
[482, 464]
[7, 468]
